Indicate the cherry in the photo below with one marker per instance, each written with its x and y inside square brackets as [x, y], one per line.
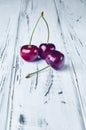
[55, 59]
[44, 49]
[29, 53]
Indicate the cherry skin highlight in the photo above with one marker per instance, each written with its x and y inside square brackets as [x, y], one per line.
[55, 59]
[44, 49]
[29, 52]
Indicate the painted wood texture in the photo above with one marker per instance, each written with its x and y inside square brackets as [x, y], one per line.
[49, 100]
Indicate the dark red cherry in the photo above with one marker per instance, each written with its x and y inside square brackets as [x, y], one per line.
[55, 59]
[44, 49]
[29, 52]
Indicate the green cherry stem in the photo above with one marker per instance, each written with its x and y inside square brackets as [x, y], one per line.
[35, 28]
[41, 16]
[47, 28]
[31, 74]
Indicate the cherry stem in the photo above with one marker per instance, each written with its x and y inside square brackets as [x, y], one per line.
[47, 28]
[42, 15]
[31, 74]
[34, 29]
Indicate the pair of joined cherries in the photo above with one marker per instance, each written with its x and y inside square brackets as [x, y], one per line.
[53, 57]
[46, 51]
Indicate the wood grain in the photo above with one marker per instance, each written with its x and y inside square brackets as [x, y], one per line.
[49, 100]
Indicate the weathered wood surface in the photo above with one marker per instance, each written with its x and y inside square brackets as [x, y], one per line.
[52, 99]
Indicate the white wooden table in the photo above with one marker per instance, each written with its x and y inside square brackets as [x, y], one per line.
[50, 100]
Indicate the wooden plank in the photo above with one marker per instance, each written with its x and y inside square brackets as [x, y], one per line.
[47, 100]
[8, 27]
[75, 44]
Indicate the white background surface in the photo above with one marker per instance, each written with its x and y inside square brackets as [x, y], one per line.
[35, 103]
